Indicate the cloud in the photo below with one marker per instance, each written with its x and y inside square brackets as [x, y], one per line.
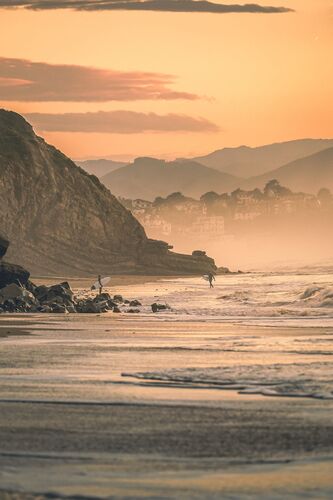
[145, 5]
[23, 80]
[118, 122]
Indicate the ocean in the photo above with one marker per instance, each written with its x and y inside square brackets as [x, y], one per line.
[227, 393]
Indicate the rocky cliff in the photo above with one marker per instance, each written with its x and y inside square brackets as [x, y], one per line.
[59, 219]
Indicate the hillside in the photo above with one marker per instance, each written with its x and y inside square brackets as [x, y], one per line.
[99, 167]
[59, 219]
[307, 174]
[247, 162]
[148, 178]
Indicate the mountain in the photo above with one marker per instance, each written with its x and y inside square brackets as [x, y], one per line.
[59, 219]
[100, 167]
[148, 178]
[307, 174]
[247, 162]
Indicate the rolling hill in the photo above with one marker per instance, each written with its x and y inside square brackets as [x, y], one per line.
[246, 162]
[148, 178]
[307, 174]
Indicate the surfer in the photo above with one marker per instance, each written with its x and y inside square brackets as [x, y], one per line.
[211, 278]
[100, 283]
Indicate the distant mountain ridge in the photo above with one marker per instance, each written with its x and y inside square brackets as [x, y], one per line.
[247, 162]
[307, 174]
[148, 178]
[99, 167]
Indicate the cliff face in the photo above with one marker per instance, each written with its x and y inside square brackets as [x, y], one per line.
[59, 219]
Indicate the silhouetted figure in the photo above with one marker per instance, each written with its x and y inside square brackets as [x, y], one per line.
[100, 284]
[211, 278]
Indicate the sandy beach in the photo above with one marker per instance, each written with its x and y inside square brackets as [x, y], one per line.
[165, 406]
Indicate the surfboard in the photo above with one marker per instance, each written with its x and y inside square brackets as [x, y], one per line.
[205, 277]
[104, 281]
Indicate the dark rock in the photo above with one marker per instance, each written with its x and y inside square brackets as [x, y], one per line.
[133, 311]
[118, 298]
[11, 291]
[135, 303]
[14, 298]
[9, 306]
[40, 292]
[61, 293]
[155, 307]
[198, 253]
[223, 270]
[116, 310]
[58, 308]
[90, 306]
[71, 309]
[105, 297]
[12, 273]
[30, 286]
[44, 309]
[4, 244]
[172, 263]
[102, 297]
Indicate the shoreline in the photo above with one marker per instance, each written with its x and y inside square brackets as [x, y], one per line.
[71, 426]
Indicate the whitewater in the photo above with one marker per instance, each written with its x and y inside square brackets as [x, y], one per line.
[291, 298]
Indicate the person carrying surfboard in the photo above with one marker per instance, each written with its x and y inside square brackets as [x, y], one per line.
[99, 279]
[211, 278]
[100, 283]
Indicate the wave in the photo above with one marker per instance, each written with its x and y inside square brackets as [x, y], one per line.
[318, 296]
[311, 380]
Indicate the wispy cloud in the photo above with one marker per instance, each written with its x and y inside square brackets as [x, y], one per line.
[118, 122]
[145, 5]
[23, 80]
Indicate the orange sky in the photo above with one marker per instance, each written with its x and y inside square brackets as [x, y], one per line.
[260, 77]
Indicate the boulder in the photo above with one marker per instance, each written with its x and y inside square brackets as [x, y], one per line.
[155, 307]
[44, 309]
[118, 298]
[223, 270]
[14, 298]
[105, 297]
[12, 273]
[58, 308]
[90, 306]
[12, 291]
[60, 294]
[135, 303]
[102, 296]
[133, 311]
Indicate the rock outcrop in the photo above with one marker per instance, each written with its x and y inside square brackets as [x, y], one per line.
[59, 219]
[4, 243]
[10, 273]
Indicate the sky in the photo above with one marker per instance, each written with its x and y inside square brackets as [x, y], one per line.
[167, 78]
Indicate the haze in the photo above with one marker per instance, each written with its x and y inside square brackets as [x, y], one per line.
[214, 80]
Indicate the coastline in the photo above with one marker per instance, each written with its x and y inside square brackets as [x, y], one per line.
[71, 425]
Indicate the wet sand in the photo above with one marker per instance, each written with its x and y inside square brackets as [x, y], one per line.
[72, 425]
[79, 283]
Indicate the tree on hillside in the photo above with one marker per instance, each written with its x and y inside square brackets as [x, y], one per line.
[209, 198]
[273, 189]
